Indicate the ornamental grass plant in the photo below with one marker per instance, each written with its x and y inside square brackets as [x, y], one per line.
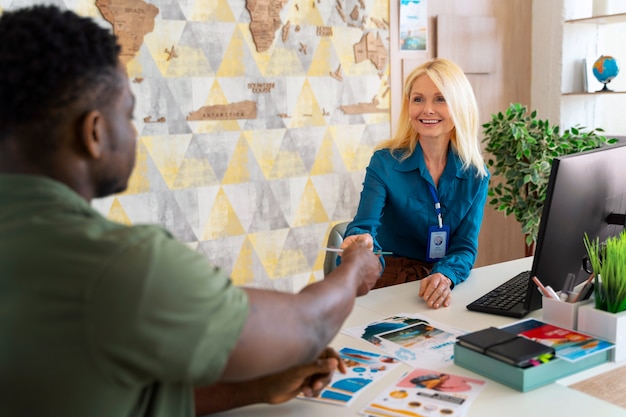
[608, 260]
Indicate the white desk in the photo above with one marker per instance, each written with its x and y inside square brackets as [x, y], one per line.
[495, 400]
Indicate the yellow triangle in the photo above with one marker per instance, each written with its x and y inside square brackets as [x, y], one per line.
[139, 181]
[242, 270]
[134, 70]
[323, 163]
[291, 262]
[284, 62]
[307, 13]
[211, 11]
[261, 59]
[118, 214]
[320, 65]
[166, 34]
[194, 172]
[237, 170]
[307, 112]
[168, 153]
[188, 62]
[265, 145]
[347, 139]
[268, 247]
[223, 221]
[311, 210]
[232, 62]
[288, 164]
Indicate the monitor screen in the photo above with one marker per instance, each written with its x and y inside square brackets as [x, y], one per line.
[586, 193]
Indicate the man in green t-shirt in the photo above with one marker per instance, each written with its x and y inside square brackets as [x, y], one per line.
[103, 319]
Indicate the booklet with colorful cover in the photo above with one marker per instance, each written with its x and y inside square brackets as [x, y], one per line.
[568, 344]
[426, 393]
[363, 368]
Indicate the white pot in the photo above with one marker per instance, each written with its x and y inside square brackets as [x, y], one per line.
[604, 325]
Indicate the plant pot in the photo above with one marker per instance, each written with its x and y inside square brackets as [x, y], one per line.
[604, 325]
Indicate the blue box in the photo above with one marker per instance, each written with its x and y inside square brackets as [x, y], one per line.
[523, 379]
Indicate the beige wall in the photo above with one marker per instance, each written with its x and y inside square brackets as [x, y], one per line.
[500, 238]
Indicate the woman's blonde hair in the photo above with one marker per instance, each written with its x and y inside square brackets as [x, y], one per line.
[459, 95]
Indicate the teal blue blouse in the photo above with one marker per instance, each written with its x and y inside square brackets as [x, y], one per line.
[397, 208]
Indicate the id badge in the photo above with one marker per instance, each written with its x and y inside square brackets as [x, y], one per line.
[438, 239]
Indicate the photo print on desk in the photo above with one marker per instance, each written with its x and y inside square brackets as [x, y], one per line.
[411, 339]
[363, 368]
[426, 393]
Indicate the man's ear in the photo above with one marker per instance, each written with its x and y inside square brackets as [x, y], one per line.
[92, 133]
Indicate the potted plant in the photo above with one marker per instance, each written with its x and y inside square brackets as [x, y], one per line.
[608, 260]
[606, 317]
[521, 148]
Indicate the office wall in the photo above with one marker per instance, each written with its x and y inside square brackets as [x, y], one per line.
[257, 191]
[255, 119]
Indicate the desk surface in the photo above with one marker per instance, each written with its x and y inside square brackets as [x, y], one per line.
[495, 400]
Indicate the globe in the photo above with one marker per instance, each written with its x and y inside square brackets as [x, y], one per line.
[605, 69]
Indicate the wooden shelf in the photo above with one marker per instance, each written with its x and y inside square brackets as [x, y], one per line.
[582, 93]
[601, 20]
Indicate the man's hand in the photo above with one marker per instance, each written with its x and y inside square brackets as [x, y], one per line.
[435, 290]
[306, 379]
[359, 253]
[276, 388]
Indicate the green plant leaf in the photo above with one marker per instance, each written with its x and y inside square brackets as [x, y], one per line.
[521, 148]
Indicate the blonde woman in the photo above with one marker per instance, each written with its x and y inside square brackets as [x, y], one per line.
[425, 189]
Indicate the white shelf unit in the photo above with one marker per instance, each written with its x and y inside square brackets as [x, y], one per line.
[564, 33]
[589, 38]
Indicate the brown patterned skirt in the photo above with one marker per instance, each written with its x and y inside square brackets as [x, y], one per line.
[399, 270]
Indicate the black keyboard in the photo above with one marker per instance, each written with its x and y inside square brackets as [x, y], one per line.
[506, 299]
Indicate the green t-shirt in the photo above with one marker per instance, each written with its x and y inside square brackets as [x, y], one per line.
[103, 319]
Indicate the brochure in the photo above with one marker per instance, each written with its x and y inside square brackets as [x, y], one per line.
[426, 393]
[411, 339]
[362, 368]
[568, 344]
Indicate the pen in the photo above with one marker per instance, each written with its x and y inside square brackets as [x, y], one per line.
[585, 291]
[544, 290]
[377, 252]
[552, 293]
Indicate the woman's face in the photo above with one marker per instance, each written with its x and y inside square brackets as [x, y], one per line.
[428, 110]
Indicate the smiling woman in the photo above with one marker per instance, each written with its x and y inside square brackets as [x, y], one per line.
[425, 188]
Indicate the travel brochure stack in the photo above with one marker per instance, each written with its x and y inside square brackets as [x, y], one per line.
[524, 355]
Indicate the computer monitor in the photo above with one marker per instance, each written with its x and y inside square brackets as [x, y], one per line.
[586, 194]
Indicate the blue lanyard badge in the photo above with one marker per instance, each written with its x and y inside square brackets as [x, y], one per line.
[438, 235]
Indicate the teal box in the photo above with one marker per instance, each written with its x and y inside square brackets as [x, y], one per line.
[523, 379]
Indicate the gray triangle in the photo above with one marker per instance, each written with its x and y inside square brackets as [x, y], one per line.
[348, 198]
[268, 214]
[309, 239]
[347, 97]
[212, 39]
[170, 10]
[222, 253]
[217, 148]
[305, 142]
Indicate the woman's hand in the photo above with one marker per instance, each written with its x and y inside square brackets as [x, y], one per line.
[435, 290]
[365, 237]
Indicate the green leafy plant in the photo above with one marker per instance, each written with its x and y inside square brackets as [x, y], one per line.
[608, 260]
[521, 149]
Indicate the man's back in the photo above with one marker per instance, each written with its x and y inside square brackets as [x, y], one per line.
[94, 311]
